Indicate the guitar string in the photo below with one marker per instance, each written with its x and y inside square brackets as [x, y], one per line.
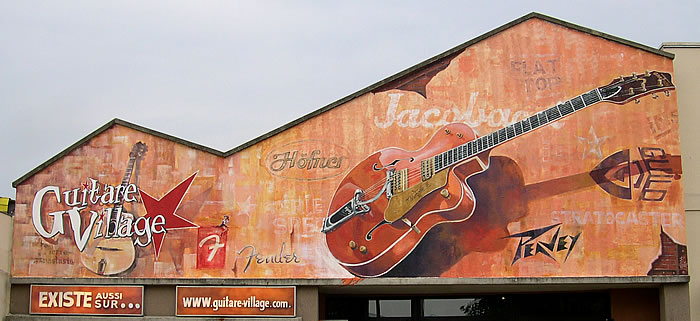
[380, 184]
[413, 172]
[416, 171]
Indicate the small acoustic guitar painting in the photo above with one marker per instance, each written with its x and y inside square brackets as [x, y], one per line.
[106, 253]
[388, 202]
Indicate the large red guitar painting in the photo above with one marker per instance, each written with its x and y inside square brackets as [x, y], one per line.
[387, 204]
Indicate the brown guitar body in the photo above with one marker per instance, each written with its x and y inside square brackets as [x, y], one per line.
[372, 243]
[111, 256]
[108, 256]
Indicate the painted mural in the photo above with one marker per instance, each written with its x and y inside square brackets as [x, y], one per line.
[540, 151]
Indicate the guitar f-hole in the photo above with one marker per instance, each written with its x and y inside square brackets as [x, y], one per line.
[376, 168]
[368, 237]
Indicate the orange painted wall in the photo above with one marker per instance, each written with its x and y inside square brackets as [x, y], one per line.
[276, 212]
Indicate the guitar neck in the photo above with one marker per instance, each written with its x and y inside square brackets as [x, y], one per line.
[448, 158]
[125, 182]
[135, 155]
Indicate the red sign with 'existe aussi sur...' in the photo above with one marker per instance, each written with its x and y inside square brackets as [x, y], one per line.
[86, 300]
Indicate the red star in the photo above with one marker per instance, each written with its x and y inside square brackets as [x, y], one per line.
[166, 206]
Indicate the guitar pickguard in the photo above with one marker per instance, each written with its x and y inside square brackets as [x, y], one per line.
[403, 202]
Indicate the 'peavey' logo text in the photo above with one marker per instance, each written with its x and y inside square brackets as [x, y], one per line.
[529, 243]
[112, 221]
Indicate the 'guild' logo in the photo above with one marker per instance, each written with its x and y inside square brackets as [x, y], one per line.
[308, 160]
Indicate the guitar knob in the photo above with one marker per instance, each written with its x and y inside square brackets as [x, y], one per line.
[353, 245]
[363, 249]
[445, 193]
[413, 227]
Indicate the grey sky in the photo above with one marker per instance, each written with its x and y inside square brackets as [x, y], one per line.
[220, 73]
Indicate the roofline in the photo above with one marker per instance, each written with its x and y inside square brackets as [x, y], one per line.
[680, 45]
[339, 102]
[105, 127]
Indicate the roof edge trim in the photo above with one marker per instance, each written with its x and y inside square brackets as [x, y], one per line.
[100, 130]
[680, 45]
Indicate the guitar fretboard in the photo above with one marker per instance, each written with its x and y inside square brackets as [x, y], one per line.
[483, 143]
[125, 182]
[134, 155]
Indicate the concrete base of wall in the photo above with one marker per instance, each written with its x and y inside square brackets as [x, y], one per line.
[675, 302]
[5, 262]
[159, 304]
[69, 318]
[665, 297]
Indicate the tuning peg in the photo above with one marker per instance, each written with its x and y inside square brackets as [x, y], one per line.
[622, 78]
[634, 75]
[647, 73]
[667, 93]
[636, 101]
[631, 91]
[654, 96]
[661, 83]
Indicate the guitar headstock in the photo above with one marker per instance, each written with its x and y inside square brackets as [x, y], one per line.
[626, 88]
[138, 151]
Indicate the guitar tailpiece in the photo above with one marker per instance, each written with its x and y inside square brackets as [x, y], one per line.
[351, 209]
[355, 206]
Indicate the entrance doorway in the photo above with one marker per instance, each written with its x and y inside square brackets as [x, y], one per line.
[588, 306]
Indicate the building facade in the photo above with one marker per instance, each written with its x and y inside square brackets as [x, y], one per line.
[687, 66]
[532, 173]
[6, 212]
